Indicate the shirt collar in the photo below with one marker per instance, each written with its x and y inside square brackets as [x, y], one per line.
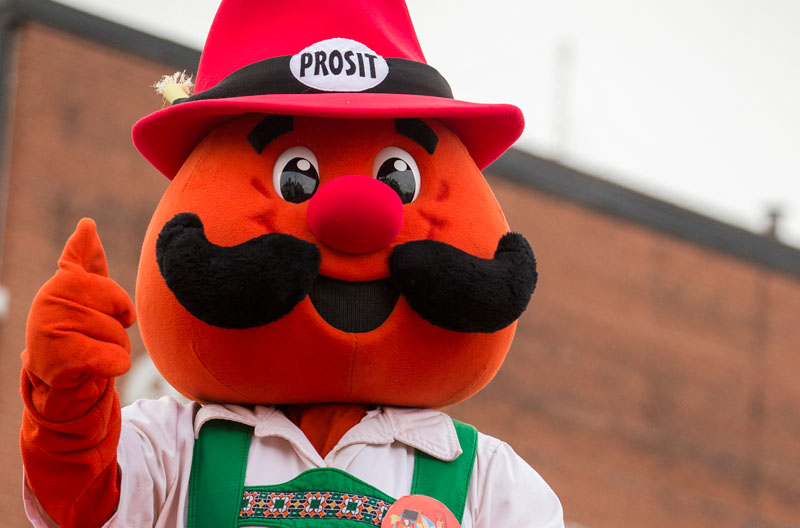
[428, 430]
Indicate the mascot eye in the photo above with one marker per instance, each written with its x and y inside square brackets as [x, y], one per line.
[296, 174]
[396, 168]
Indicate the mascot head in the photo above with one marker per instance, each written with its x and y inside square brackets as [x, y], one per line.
[327, 235]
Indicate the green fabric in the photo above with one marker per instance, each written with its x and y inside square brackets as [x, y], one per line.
[326, 479]
[448, 482]
[218, 498]
[218, 468]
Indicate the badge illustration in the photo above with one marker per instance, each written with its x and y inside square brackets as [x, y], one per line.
[419, 511]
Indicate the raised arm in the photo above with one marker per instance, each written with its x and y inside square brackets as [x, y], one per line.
[76, 344]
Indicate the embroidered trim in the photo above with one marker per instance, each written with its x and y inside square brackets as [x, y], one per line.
[329, 505]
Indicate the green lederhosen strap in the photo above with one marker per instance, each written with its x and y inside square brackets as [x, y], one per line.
[216, 485]
[219, 463]
[447, 482]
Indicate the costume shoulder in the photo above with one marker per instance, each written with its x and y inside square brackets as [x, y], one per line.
[506, 491]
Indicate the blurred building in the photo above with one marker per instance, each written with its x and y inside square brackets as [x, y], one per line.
[653, 381]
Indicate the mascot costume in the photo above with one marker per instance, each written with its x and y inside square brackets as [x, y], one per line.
[326, 269]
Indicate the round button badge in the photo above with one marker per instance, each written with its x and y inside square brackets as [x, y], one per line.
[419, 511]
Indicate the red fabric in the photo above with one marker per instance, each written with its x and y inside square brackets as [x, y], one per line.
[75, 345]
[325, 424]
[355, 214]
[167, 137]
[246, 31]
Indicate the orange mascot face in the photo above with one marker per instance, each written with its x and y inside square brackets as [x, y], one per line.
[309, 260]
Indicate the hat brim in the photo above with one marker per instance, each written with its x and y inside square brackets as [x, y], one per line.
[167, 137]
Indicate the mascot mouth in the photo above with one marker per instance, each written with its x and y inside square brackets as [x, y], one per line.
[265, 278]
[353, 307]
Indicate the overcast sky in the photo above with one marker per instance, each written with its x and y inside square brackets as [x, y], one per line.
[694, 101]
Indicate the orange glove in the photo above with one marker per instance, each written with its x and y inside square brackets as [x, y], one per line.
[75, 345]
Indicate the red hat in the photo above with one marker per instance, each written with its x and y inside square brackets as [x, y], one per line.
[344, 59]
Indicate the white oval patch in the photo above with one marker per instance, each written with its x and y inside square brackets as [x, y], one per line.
[339, 65]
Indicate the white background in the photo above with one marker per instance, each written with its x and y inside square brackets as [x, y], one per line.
[694, 101]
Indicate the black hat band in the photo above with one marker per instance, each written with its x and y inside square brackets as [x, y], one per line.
[273, 76]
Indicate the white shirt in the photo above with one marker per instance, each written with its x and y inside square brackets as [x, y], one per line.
[155, 455]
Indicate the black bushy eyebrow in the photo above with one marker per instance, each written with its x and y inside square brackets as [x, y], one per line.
[269, 129]
[417, 130]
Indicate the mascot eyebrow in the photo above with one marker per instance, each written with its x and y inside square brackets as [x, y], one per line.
[417, 130]
[269, 129]
[274, 126]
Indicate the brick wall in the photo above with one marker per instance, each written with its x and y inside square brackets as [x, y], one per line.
[651, 381]
[70, 156]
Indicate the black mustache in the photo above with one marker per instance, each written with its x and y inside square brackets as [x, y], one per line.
[263, 279]
[243, 286]
[458, 291]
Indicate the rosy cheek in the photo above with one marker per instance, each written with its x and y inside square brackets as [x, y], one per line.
[429, 215]
[265, 218]
[435, 224]
[443, 192]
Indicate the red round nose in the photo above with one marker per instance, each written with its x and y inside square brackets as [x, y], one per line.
[355, 214]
